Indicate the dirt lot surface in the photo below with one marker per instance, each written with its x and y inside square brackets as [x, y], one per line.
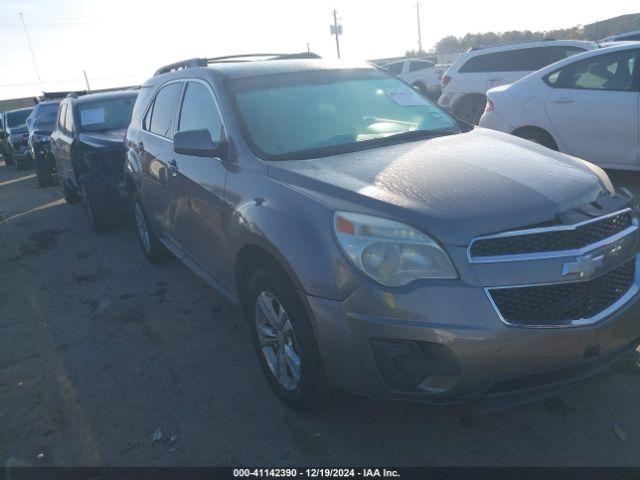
[99, 349]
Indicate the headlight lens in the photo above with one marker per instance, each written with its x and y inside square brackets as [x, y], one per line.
[390, 252]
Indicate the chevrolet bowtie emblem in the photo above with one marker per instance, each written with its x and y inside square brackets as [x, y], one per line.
[583, 266]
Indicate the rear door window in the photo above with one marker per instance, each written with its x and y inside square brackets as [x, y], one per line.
[417, 66]
[395, 68]
[163, 110]
[615, 71]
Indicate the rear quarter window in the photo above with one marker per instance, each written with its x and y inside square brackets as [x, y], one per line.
[520, 60]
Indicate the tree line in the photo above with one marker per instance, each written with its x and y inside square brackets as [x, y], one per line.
[453, 44]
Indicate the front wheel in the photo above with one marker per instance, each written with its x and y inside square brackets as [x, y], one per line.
[69, 195]
[96, 202]
[284, 340]
[8, 158]
[43, 173]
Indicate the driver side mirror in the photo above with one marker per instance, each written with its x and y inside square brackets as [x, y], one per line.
[198, 143]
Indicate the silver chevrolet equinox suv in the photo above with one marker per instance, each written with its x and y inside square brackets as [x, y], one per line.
[376, 244]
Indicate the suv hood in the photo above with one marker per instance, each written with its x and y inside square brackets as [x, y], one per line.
[105, 139]
[455, 187]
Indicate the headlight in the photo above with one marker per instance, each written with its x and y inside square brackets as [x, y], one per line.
[390, 252]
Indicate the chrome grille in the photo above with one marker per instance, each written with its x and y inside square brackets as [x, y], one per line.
[552, 239]
[563, 304]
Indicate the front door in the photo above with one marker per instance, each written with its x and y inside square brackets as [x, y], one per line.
[198, 186]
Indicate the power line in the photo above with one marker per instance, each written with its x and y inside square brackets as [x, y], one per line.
[419, 31]
[337, 30]
[33, 57]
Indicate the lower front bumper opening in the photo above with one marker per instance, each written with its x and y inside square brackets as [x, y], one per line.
[520, 390]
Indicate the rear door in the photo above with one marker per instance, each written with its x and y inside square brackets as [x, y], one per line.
[198, 185]
[594, 108]
[156, 153]
[62, 142]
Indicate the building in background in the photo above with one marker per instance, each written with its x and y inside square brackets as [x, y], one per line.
[612, 26]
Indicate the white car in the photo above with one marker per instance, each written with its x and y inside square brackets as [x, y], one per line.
[623, 37]
[421, 74]
[465, 84]
[586, 106]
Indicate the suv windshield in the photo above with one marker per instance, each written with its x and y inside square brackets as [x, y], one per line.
[15, 119]
[46, 117]
[108, 114]
[313, 114]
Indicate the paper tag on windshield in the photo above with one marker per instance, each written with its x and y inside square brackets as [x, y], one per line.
[91, 116]
[405, 97]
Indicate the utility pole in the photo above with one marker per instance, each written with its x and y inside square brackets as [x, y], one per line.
[337, 30]
[33, 57]
[86, 80]
[419, 31]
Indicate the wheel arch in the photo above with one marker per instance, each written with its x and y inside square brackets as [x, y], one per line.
[543, 133]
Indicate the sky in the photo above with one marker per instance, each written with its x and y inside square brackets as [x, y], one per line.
[122, 42]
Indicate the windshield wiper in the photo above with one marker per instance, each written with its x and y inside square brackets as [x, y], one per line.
[365, 144]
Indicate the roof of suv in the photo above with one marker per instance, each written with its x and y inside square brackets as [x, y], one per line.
[259, 68]
[528, 44]
[19, 110]
[104, 96]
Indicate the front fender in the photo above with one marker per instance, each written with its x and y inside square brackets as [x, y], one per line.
[297, 232]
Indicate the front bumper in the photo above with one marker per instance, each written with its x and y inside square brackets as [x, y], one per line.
[494, 121]
[41, 153]
[460, 346]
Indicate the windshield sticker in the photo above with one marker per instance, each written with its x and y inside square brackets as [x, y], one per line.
[406, 97]
[92, 116]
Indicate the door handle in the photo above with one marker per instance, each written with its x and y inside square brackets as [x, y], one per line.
[495, 80]
[173, 167]
[561, 100]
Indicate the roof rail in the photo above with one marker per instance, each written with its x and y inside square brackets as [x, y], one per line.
[247, 57]
[191, 63]
[506, 44]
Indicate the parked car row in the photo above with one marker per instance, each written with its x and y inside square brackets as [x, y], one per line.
[424, 75]
[375, 243]
[13, 137]
[465, 83]
[587, 106]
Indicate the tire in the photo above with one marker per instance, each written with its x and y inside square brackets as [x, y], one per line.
[97, 202]
[538, 136]
[149, 242]
[303, 388]
[471, 108]
[420, 88]
[23, 165]
[8, 158]
[69, 195]
[43, 174]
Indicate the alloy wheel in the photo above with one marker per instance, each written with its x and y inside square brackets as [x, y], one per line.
[277, 340]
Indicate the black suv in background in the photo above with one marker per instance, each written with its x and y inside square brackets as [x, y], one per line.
[14, 138]
[88, 147]
[43, 121]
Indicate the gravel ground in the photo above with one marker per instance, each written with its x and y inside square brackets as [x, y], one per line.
[99, 349]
